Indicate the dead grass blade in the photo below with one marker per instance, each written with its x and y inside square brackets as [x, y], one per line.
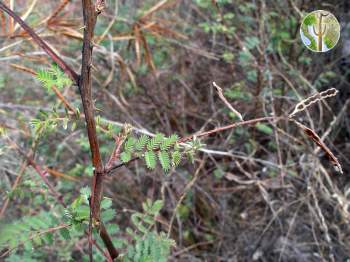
[137, 35]
[161, 5]
[158, 30]
[123, 37]
[56, 173]
[23, 69]
[69, 32]
[148, 54]
[304, 104]
[26, 14]
[57, 10]
[222, 97]
[314, 137]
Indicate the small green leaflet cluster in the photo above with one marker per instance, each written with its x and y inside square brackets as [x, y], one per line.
[149, 245]
[152, 247]
[53, 76]
[164, 149]
[103, 125]
[78, 213]
[47, 122]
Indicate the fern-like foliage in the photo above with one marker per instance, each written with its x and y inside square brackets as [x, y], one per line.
[176, 158]
[47, 122]
[46, 78]
[27, 231]
[158, 149]
[77, 214]
[150, 248]
[141, 142]
[151, 160]
[154, 143]
[169, 142]
[53, 76]
[164, 160]
[129, 145]
[148, 245]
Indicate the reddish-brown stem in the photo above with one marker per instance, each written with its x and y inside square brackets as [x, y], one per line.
[90, 13]
[115, 153]
[219, 129]
[59, 61]
[63, 100]
[15, 184]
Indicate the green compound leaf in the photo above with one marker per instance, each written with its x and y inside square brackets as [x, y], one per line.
[141, 142]
[176, 158]
[125, 156]
[168, 142]
[155, 141]
[164, 160]
[46, 78]
[53, 76]
[129, 145]
[150, 158]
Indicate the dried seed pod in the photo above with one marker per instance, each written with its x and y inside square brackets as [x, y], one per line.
[302, 105]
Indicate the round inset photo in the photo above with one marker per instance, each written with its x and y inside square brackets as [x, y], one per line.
[320, 31]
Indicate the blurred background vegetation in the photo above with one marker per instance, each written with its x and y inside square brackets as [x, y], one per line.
[257, 193]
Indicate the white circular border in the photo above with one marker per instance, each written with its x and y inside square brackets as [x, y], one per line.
[300, 31]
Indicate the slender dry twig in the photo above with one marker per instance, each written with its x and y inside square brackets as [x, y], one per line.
[14, 186]
[3, 23]
[40, 172]
[222, 97]
[115, 154]
[27, 13]
[234, 125]
[303, 105]
[314, 137]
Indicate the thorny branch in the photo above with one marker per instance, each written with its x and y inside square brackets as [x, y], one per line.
[206, 133]
[90, 13]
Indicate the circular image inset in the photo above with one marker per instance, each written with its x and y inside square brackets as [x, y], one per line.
[320, 31]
